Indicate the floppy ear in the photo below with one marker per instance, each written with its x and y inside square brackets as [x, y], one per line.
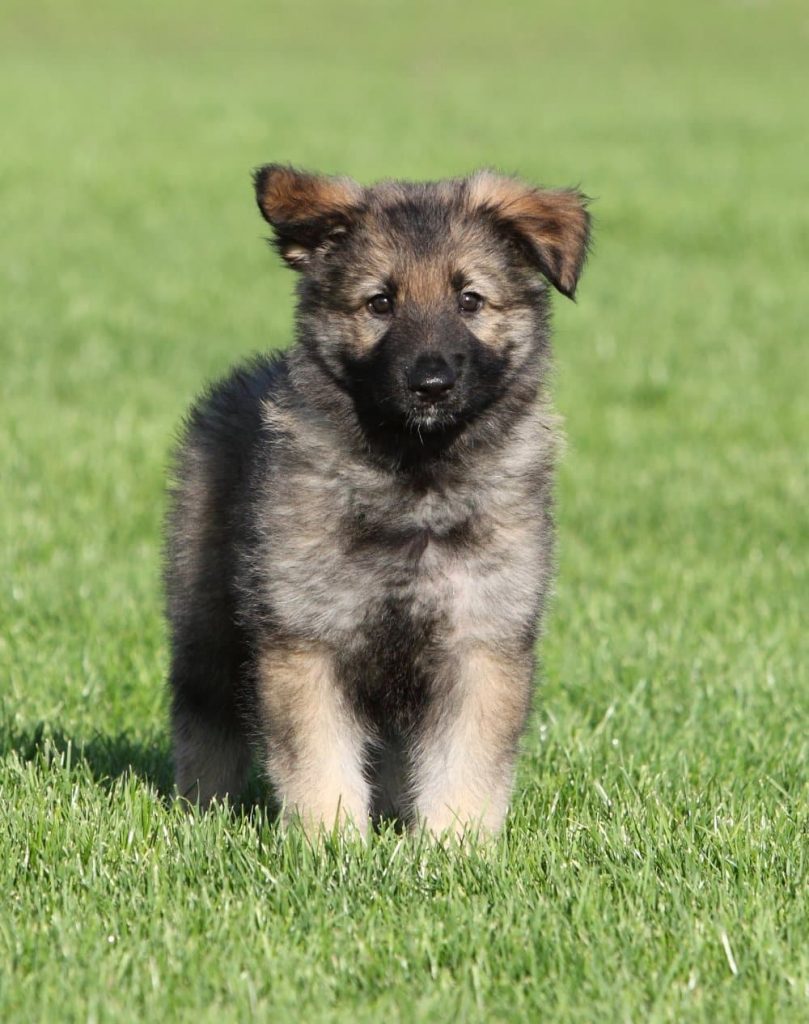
[307, 211]
[552, 226]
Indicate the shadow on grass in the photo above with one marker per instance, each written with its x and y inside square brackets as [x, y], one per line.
[108, 758]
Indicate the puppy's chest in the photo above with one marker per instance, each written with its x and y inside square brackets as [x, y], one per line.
[454, 563]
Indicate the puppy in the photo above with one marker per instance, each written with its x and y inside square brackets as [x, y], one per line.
[360, 534]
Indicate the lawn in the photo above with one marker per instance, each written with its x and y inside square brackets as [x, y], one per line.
[654, 866]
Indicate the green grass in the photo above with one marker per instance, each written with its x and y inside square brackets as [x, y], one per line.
[654, 867]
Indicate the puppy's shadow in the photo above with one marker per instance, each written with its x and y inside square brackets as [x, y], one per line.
[108, 758]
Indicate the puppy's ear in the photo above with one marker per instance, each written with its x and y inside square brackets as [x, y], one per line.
[307, 211]
[552, 226]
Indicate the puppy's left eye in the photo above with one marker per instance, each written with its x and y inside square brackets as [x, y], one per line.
[470, 302]
[380, 305]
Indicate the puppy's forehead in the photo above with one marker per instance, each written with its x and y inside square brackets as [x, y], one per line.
[408, 229]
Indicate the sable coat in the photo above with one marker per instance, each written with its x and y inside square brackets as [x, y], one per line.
[360, 535]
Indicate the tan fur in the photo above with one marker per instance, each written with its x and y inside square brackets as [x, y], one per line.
[465, 769]
[555, 220]
[288, 196]
[313, 745]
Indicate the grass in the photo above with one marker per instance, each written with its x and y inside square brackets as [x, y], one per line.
[654, 867]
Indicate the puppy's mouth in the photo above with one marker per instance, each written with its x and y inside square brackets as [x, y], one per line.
[427, 417]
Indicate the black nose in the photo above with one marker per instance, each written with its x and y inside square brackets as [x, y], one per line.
[431, 378]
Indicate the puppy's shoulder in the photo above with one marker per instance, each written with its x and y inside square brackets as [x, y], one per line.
[231, 409]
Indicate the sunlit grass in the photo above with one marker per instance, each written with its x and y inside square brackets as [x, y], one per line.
[654, 866]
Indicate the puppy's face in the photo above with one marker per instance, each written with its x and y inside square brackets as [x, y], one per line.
[425, 302]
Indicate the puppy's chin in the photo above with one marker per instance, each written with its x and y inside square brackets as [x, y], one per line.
[431, 418]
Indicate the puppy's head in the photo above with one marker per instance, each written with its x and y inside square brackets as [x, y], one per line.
[425, 301]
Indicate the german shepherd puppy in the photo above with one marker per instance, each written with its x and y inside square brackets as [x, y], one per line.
[360, 534]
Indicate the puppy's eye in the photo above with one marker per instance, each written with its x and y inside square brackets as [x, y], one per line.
[470, 302]
[381, 305]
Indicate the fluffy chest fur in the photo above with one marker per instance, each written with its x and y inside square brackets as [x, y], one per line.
[351, 555]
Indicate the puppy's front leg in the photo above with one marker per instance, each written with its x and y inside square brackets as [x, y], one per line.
[464, 761]
[313, 744]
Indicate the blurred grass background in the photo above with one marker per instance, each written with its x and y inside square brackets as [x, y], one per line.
[132, 268]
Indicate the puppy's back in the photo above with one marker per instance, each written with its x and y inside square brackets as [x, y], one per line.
[210, 469]
[207, 507]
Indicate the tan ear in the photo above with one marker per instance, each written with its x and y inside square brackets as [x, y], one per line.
[307, 211]
[552, 225]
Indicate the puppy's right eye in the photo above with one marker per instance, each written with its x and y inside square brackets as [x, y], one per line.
[381, 305]
[470, 302]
